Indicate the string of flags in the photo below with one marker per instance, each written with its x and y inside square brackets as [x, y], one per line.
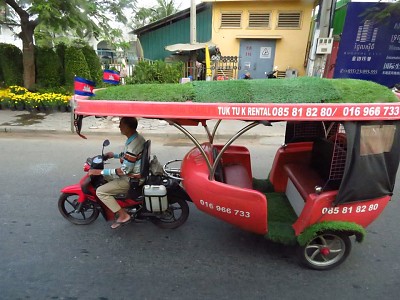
[84, 87]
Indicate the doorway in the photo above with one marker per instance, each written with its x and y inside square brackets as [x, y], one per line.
[256, 57]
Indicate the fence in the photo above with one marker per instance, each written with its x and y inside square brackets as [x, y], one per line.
[225, 67]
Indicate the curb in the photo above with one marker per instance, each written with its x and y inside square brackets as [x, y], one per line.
[10, 122]
[147, 134]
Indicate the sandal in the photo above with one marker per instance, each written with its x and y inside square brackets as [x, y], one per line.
[117, 225]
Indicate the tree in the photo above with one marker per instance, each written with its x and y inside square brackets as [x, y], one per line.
[162, 9]
[391, 11]
[142, 17]
[84, 17]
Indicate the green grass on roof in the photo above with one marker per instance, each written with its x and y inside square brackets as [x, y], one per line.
[147, 92]
[293, 90]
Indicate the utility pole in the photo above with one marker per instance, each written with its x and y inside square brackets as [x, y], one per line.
[193, 38]
[325, 14]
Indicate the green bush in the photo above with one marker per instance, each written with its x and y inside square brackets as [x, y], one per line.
[48, 68]
[157, 72]
[75, 65]
[11, 68]
[60, 50]
[94, 65]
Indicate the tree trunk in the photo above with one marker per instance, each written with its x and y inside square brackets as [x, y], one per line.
[28, 48]
[28, 55]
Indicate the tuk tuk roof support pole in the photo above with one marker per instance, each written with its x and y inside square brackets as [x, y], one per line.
[195, 142]
[228, 143]
[211, 136]
[215, 130]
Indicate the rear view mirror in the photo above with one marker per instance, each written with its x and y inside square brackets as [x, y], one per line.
[106, 143]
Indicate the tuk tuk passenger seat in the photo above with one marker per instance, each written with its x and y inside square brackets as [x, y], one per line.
[325, 168]
[237, 175]
[234, 174]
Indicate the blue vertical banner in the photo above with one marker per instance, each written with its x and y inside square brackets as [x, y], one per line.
[369, 50]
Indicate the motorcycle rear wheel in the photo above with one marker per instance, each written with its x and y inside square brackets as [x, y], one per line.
[68, 203]
[176, 214]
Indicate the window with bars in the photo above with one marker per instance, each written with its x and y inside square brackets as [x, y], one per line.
[259, 19]
[289, 20]
[231, 19]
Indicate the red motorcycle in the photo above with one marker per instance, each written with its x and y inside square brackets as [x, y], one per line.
[163, 200]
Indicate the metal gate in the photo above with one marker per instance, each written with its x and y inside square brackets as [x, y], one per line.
[222, 67]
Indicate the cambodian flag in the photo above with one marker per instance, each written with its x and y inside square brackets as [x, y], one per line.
[83, 86]
[110, 76]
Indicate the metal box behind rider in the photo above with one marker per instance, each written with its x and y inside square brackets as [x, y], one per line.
[155, 197]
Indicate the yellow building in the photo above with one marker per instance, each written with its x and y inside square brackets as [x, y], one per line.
[263, 34]
[252, 35]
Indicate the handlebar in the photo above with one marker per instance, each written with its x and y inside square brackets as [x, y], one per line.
[174, 173]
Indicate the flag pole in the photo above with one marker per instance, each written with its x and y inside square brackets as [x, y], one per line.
[72, 104]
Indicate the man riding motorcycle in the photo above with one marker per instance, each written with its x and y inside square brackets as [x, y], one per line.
[125, 178]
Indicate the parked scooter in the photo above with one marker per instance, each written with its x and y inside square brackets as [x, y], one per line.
[272, 74]
[163, 201]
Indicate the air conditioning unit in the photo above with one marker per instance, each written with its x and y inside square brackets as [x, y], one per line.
[324, 45]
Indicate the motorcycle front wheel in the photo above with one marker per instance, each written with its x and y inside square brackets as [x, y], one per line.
[176, 214]
[67, 205]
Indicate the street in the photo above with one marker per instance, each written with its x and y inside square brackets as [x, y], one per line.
[43, 256]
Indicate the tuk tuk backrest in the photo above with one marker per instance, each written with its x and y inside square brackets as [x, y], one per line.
[145, 165]
[321, 157]
[328, 158]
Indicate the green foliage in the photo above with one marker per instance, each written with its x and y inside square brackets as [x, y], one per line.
[48, 68]
[294, 90]
[338, 226]
[94, 64]
[75, 65]
[83, 18]
[60, 50]
[148, 92]
[146, 15]
[11, 69]
[383, 16]
[157, 72]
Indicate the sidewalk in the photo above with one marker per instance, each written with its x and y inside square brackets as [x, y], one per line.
[23, 121]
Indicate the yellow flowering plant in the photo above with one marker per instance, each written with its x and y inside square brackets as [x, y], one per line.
[16, 97]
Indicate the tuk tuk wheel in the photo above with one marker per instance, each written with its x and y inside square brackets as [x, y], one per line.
[325, 251]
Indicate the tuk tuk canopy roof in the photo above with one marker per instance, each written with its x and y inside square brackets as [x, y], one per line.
[301, 99]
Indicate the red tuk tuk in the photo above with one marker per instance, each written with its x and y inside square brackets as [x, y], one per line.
[332, 177]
